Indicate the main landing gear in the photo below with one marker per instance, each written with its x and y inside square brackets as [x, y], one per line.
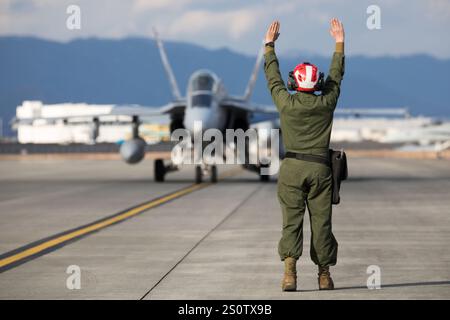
[257, 169]
[161, 169]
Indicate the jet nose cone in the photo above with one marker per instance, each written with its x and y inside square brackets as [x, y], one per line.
[198, 118]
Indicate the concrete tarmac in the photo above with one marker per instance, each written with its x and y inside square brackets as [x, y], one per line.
[220, 241]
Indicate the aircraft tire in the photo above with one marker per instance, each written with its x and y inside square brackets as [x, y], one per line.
[160, 170]
[264, 177]
[198, 174]
[214, 174]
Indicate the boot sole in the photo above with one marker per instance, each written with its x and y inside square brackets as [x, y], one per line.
[326, 289]
[289, 288]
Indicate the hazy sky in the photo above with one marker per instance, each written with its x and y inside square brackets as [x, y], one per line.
[407, 27]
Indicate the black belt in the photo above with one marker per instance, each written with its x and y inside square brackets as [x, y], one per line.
[308, 157]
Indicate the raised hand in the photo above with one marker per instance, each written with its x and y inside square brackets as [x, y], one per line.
[272, 33]
[337, 30]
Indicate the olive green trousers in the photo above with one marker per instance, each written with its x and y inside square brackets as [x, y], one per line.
[304, 184]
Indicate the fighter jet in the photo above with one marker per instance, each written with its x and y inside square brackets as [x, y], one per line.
[206, 101]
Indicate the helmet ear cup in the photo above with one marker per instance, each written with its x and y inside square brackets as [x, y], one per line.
[292, 84]
[320, 82]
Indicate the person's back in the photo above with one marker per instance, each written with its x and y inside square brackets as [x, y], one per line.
[308, 124]
[306, 117]
[305, 177]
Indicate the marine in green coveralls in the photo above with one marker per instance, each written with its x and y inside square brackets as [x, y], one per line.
[306, 120]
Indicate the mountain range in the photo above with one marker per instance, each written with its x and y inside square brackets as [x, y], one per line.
[129, 70]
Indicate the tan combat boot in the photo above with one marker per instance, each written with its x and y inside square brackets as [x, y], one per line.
[289, 282]
[325, 281]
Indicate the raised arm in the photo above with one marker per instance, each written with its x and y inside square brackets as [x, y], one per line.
[332, 85]
[280, 95]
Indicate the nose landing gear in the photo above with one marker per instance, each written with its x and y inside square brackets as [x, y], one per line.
[160, 171]
[203, 170]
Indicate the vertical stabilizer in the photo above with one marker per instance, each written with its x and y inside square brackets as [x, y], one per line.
[173, 82]
[254, 75]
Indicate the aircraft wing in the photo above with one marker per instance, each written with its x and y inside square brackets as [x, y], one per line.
[115, 111]
[143, 111]
[242, 105]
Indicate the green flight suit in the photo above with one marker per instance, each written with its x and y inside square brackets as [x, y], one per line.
[306, 121]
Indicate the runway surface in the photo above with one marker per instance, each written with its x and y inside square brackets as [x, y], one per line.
[133, 238]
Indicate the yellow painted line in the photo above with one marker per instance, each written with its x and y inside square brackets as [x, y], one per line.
[56, 241]
[105, 223]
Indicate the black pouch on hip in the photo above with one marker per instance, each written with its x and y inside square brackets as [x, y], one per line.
[338, 160]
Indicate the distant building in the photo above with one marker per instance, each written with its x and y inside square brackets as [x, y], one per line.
[68, 123]
[73, 123]
[378, 129]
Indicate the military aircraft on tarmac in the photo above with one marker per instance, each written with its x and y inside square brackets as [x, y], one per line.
[206, 101]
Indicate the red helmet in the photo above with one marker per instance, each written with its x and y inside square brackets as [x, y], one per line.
[306, 77]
